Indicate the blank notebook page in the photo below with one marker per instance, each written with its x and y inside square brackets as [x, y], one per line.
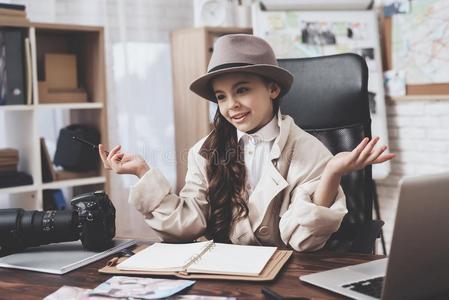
[234, 260]
[164, 257]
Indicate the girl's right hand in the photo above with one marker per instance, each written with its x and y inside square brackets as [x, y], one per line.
[123, 163]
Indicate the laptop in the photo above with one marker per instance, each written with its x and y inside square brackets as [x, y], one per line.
[418, 265]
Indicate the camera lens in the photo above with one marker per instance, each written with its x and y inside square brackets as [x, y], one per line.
[20, 229]
[92, 220]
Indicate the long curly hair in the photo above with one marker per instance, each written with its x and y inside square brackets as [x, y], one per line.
[226, 173]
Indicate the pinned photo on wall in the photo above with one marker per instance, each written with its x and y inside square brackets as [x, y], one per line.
[394, 7]
[394, 83]
[315, 33]
[369, 56]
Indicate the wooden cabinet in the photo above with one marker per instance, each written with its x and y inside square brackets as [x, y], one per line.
[191, 52]
[23, 124]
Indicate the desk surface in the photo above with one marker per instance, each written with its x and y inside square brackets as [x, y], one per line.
[33, 285]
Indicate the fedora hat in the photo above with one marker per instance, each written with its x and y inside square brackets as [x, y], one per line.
[241, 53]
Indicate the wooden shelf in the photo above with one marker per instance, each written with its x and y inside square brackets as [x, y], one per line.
[54, 185]
[74, 182]
[89, 105]
[16, 107]
[28, 123]
[19, 189]
[15, 22]
[419, 97]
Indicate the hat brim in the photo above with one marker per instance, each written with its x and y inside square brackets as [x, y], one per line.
[284, 78]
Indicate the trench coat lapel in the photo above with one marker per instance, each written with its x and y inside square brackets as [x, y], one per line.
[270, 184]
[243, 233]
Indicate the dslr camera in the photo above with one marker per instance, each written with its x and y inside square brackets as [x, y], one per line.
[92, 219]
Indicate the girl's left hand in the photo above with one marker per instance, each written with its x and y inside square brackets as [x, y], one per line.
[363, 155]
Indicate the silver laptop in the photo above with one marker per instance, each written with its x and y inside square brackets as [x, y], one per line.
[418, 265]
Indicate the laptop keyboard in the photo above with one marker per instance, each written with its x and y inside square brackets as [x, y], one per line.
[371, 287]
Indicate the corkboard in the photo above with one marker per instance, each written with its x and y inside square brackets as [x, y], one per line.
[411, 90]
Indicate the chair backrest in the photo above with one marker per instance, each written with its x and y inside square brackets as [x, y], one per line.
[329, 99]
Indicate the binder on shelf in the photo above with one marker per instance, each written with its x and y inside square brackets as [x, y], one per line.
[207, 260]
[48, 172]
[29, 72]
[12, 81]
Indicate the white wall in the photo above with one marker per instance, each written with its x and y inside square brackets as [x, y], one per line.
[419, 135]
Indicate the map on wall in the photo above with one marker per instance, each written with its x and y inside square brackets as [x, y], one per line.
[296, 34]
[420, 42]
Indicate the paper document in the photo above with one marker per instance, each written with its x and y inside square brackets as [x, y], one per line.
[202, 257]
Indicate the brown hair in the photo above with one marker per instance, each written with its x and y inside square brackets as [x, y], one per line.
[226, 173]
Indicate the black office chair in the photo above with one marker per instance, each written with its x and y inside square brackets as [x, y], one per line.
[329, 99]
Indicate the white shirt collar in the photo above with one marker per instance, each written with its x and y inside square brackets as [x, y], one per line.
[267, 133]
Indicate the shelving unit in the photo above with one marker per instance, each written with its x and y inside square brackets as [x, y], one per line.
[191, 52]
[74, 182]
[419, 97]
[16, 108]
[22, 130]
[71, 106]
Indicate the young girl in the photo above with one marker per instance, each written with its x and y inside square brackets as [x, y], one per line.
[257, 178]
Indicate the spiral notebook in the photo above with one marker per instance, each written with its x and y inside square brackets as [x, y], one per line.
[204, 260]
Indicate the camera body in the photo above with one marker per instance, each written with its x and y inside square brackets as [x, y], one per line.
[96, 215]
[92, 219]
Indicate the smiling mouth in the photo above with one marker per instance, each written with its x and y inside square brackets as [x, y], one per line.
[239, 117]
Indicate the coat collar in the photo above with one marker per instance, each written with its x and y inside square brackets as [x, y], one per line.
[266, 134]
[284, 123]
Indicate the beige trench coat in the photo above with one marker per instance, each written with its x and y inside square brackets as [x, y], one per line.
[281, 209]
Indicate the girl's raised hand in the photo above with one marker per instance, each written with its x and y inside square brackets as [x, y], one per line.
[123, 163]
[363, 155]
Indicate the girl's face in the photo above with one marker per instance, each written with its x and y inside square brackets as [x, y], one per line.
[245, 100]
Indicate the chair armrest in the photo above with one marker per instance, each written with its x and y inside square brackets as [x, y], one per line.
[355, 237]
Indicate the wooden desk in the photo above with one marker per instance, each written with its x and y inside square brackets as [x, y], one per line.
[15, 284]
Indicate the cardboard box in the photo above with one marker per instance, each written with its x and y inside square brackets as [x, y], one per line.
[60, 71]
[47, 95]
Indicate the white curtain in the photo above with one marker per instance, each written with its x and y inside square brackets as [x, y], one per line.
[139, 81]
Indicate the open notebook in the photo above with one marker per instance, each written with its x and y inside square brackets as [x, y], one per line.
[205, 260]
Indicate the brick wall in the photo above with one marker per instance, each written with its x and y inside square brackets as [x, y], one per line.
[419, 135]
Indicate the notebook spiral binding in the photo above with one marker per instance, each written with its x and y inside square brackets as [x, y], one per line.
[195, 258]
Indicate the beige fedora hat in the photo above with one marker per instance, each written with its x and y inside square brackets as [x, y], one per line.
[241, 53]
